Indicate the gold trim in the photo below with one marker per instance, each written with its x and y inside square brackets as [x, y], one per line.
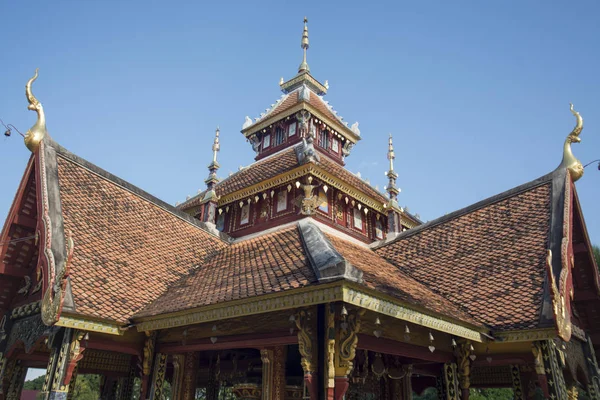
[89, 325]
[525, 336]
[246, 307]
[269, 120]
[309, 296]
[361, 298]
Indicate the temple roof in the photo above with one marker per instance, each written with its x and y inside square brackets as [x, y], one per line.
[291, 258]
[277, 164]
[128, 245]
[488, 258]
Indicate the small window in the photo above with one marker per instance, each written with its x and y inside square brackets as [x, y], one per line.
[323, 201]
[221, 222]
[266, 141]
[292, 129]
[335, 145]
[245, 214]
[378, 229]
[282, 200]
[279, 136]
[358, 222]
[324, 139]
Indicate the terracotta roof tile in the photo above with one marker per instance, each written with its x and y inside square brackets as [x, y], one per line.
[489, 261]
[384, 277]
[348, 177]
[267, 264]
[127, 249]
[257, 172]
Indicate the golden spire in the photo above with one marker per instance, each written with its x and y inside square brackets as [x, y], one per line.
[304, 44]
[37, 132]
[569, 161]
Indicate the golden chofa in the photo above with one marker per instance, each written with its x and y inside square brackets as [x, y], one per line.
[37, 132]
[569, 161]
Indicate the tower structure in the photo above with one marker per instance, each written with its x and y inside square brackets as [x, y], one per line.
[301, 144]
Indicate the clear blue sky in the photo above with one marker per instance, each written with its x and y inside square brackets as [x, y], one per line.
[475, 93]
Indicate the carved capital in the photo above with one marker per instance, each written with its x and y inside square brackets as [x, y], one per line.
[305, 341]
[463, 353]
[349, 325]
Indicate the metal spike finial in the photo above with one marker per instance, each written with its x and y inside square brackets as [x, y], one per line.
[304, 44]
[216, 145]
[391, 156]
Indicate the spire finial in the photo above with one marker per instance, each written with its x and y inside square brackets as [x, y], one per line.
[391, 174]
[216, 146]
[212, 179]
[391, 156]
[304, 44]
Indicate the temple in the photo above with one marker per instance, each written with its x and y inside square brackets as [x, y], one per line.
[293, 278]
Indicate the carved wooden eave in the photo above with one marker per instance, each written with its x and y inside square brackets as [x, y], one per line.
[88, 324]
[302, 105]
[322, 294]
[296, 173]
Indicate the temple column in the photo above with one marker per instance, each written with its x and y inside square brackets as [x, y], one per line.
[592, 364]
[307, 348]
[440, 385]
[158, 376]
[148, 356]
[273, 373]
[108, 388]
[126, 386]
[188, 390]
[178, 370]
[463, 354]
[16, 382]
[212, 387]
[66, 351]
[517, 385]
[71, 392]
[555, 387]
[451, 386]
[406, 385]
[344, 328]
[8, 368]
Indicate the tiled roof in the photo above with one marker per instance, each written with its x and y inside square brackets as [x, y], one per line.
[384, 277]
[348, 177]
[489, 260]
[276, 262]
[260, 171]
[267, 264]
[127, 249]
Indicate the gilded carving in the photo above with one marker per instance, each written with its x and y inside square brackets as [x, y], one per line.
[266, 356]
[562, 315]
[516, 382]
[75, 354]
[305, 342]
[348, 339]
[536, 349]
[463, 354]
[148, 352]
[37, 132]
[569, 161]
[160, 368]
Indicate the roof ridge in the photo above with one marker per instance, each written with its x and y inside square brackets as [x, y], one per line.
[468, 209]
[257, 162]
[64, 153]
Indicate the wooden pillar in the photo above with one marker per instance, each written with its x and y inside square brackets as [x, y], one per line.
[517, 385]
[178, 370]
[126, 386]
[463, 352]
[344, 324]
[148, 357]
[72, 385]
[555, 386]
[279, 358]
[212, 388]
[8, 370]
[267, 358]
[307, 347]
[451, 386]
[440, 385]
[16, 382]
[406, 384]
[66, 350]
[188, 390]
[158, 376]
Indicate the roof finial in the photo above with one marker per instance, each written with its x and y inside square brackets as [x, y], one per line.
[212, 179]
[304, 44]
[569, 161]
[216, 146]
[391, 174]
[37, 132]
